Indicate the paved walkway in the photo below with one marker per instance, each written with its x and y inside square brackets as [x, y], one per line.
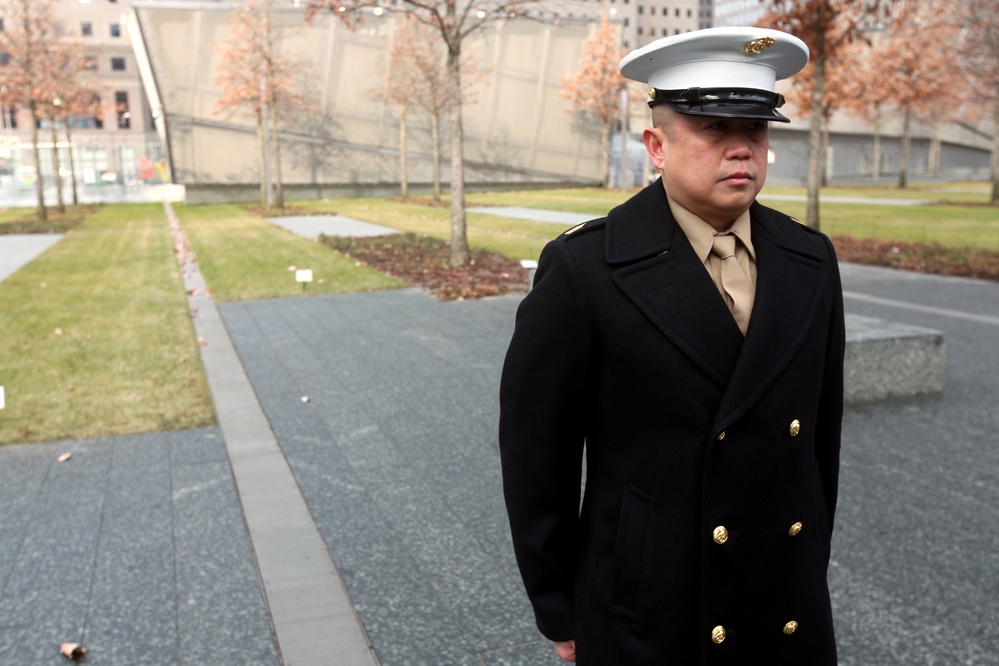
[310, 226]
[16, 250]
[139, 546]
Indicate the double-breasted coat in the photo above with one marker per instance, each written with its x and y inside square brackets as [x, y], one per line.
[711, 459]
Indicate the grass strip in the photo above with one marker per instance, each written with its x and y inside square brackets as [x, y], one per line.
[98, 339]
[243, 256]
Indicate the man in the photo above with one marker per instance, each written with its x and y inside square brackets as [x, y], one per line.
[693, 339]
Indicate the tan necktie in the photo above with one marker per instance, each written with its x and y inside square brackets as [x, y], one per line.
[735, 282]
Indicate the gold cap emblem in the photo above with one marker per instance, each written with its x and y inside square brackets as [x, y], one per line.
[652, 93]
[758, 46]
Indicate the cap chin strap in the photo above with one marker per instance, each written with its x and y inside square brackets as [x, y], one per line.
[716, 96]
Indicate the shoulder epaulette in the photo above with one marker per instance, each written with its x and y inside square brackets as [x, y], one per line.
[585, 226]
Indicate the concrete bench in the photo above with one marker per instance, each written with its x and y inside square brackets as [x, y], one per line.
[890, 360]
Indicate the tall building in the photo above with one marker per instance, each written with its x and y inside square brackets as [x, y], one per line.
[738, 12]
[641, 21]
[118, 145]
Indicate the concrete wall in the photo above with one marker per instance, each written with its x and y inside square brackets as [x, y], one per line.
[516, 130]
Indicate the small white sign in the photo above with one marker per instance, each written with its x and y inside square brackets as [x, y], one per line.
[303, 275]
[2, 399]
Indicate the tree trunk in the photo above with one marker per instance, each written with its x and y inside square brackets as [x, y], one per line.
[39, 187]
[605, 156]
[264, 180]
[876, 158]
[56, 166]
[933, 159]
[815, 131]
[276, 149]
[825, 152]
[403, 178]
[903, 167]
[459, 234]
[435, 150]
[622, 180]
[995, 156]
[72, 164]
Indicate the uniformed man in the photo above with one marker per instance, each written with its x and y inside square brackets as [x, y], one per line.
[693, 340]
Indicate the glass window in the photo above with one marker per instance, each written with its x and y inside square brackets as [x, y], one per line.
[121, 109]
[115, 30]
[117, 64]
[86, 29]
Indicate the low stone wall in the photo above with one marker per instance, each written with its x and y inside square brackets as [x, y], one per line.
[890, 360]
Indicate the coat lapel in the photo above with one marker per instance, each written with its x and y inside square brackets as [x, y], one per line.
[662, 275]
[789, 284]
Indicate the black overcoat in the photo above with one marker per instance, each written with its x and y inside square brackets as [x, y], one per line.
[711, 460]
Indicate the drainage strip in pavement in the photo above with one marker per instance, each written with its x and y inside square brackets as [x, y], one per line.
[313, 617]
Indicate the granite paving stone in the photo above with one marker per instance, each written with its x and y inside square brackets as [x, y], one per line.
[396, 456]
[135, 547]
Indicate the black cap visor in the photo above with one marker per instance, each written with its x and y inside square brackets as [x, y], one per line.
[745, 103]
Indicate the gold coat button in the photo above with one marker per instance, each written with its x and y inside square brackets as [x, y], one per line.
[790, 627]
[795, 428]
[795, 529]
[718, 635]
[720, 535]
[721, 435]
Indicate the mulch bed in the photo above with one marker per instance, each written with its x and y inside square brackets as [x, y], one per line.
[426, 263]
[57, 223]
[920, 257]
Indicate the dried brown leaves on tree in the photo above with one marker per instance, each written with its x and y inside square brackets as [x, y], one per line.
[919, 75]
[253, 75]
[417, 78]
[29, 35]
[827, 27]
[978, 48]
[595, 88]
[454, 23]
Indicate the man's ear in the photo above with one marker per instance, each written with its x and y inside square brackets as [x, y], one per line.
[655, 139]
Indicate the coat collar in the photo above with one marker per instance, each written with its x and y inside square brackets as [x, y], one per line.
[659, 271]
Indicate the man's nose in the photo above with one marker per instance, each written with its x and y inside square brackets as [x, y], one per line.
[739, 147]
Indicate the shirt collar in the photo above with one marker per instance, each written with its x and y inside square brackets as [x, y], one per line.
[701, 234]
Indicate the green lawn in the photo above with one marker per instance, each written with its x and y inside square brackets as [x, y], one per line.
[243, 256]
[96, 338]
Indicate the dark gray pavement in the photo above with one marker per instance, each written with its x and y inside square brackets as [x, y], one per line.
[137, 546]
[16, 250]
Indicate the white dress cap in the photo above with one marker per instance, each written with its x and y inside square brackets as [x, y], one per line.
[743, 57]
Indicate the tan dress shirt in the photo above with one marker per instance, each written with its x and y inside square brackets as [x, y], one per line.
[701, 236]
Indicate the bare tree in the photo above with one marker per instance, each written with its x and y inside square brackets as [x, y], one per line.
[826, 26]
[418, 78]
[979, 23]
[454, 22]
[862, 91]
[595, 89]
[917, 77]
[30, 28]
[253, 75]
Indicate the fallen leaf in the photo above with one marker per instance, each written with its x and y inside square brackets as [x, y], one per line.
[73, 650]
[58, 331]
[304, 398]
[292, 268]
[202, 342]
[63, 458]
